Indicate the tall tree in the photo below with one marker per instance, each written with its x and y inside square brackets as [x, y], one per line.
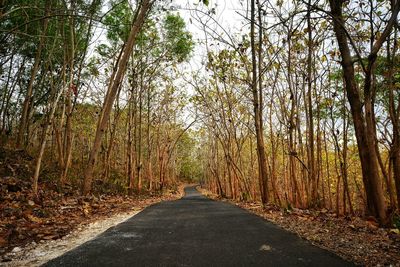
[257, 92]
[142, 11]
[362, 109]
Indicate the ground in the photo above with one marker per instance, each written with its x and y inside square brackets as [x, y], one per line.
[26, 221]
[197, 231]
[36, 254]
[56, 211]
[59, 222]
[356, 239]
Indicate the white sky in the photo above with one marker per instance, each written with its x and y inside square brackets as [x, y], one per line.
[228, 21]
[226, 14]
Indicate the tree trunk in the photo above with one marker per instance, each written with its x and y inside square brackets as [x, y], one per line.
[68, 124]
[363, 123]
[262, 164]
[111, 93]
[311, 155]
[29, 91]
[46, 127]
[394, 112]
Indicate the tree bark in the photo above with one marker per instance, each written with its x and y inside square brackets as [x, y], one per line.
[262, 165]
[112, 91]
[363, 121]
[394, 112]
[29, 91]
[311, 154]
[46, 127]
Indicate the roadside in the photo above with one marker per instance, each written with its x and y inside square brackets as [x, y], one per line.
[354, 239]
[37, 254]
[31, 233]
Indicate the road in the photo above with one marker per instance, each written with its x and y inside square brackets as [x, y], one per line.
[196, 231]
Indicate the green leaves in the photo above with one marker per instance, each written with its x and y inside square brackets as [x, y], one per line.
[179, 42]
[206, 2]
[119, 20]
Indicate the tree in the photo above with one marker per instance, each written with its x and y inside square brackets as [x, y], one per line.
[113, 87]
[363, 117]
[256, 87]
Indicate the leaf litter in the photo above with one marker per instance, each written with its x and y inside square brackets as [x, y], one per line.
[34, 230]
[355, 239]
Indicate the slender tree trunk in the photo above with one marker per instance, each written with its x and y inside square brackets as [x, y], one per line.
[68, 123]
[8, 99]
[46, 128]
[148, 157]
[129, 149]
[363, 123]
[139, 141]
[263, 175]
[29, 92]
[112, 91]
[311, 153]
[4, 97]
[394, 117]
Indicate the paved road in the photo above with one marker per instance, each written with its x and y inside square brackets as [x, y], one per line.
[196, 231]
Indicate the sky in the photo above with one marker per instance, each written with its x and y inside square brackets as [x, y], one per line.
[226, 14]
[227, 20]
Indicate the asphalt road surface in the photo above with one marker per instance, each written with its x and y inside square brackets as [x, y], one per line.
[196, 231]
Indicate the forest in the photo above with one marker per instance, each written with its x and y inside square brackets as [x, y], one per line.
[293, 105]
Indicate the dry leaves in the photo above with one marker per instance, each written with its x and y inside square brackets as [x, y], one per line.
[357, 240]
[25, 219]
[353, 238]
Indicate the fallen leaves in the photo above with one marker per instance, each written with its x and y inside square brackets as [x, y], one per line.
[353, 238]
[25, 219]
[395, 231]
[357, 240]
[34, 219]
